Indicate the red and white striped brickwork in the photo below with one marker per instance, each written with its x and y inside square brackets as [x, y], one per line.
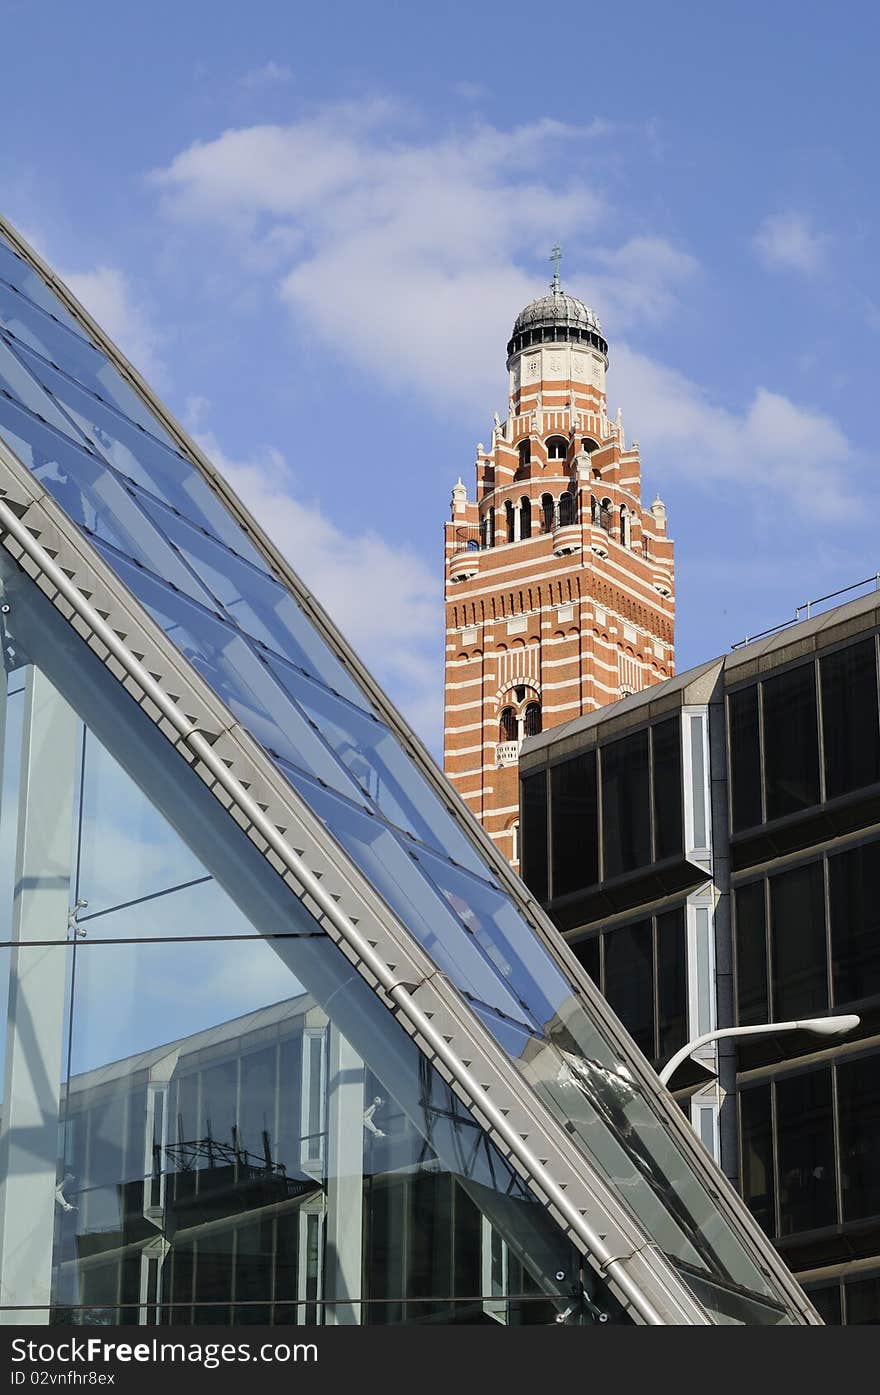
[559, 583]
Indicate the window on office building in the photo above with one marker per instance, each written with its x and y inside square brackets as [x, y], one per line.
[807, 1174]
[854, 883]
[798, 956]
[756, 1134]
[745, 758]
[850, 718]
[533, 833]
[626, 818]
[666, 756]
[858, 1092]
[751, 954]
[791, 742]
[574, 821]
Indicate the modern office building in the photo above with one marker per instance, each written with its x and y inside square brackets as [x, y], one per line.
[285, 1037]
[559, 581]
[710, 850]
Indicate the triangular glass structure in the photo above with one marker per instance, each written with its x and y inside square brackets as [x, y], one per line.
[141, 596]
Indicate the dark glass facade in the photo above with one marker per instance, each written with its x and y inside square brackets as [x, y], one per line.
[803, 738]
[641, 969]
[611, 811]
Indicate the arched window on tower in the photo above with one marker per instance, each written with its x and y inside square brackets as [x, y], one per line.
[624, 525]
[532, 720]
[525, 518]
[510, 514]
[557, 448]
[605, 515]
[507, 728]
[566, 509]
[547, 512]
[524, 450]
[514, 841]
[490, 528]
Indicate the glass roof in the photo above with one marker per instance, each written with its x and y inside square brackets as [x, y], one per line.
[98, 447]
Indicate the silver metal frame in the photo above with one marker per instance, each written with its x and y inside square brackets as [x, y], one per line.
[49, 548]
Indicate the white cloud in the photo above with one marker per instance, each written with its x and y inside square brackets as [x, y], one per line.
[385, 599]
[109, 299]
[772, 445]
[408, 254]
[271, 74]
[788, 241]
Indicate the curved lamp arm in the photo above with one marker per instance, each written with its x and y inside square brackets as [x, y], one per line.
[820, 1026]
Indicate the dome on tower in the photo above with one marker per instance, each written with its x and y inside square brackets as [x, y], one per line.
[555, 317]
[556, 309]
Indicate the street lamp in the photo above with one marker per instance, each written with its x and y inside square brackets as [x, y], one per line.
[820, 1026]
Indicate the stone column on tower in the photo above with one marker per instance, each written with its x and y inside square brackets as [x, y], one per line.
[559, 584]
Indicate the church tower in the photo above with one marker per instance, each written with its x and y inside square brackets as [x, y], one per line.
[559, 583]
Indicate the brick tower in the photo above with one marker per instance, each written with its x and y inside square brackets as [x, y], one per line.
[559, 584]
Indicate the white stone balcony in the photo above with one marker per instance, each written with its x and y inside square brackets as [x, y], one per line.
[507, 752]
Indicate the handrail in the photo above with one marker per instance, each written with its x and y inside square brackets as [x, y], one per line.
[808, 607]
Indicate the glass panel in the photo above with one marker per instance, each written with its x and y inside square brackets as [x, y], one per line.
[77, 357]
[574, 824]
[629, 981]
[17, 272]
[236, 675]
[139, 456]
[201, 909]
[863, 1302]
[626, 819]
[533, 833]
[190, 1150]
[850, 725]
[733, 1308]
[745, 758]
[805, 1131]
[791, 742]
[126, 849]
[797, 918]
[666, 751]
[858, 1094]
[854, 879]
[671, 983]
[256, 603]
[17, 383]
[382, 769]
[751, 955]
[391, 869]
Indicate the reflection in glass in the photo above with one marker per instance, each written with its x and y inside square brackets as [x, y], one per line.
[854, 879]
[858, 1093]
[199, 1175]
[756, 1135]
[807, 1174]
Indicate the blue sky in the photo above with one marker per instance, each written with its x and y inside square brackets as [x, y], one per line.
[312, 228]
